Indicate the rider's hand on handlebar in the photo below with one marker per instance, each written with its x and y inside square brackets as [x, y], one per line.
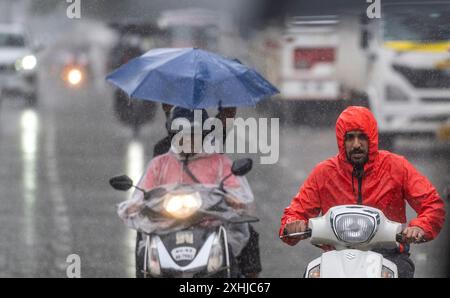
[134, 208]
[294, 227]
[413, 234]
[234, 202]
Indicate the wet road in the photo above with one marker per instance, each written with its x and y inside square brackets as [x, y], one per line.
[55, 164]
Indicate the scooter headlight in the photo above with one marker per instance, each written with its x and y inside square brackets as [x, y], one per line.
[216, 256]
[182, 206]
[387, 273]
[153, 258]
[314, 272]
[354, 228]
[74, 76]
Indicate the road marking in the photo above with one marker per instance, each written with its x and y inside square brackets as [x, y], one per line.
[29, 130]
[62, 241]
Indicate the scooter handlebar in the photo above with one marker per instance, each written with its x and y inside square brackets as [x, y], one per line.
[400, 238]
[304, 235]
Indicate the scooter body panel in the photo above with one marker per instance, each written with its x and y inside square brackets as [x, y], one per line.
[351, 263]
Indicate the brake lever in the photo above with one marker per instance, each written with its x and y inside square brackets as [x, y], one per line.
[400, 238]
[304, 235]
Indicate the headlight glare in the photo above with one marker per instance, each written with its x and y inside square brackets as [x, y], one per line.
[182, 205]
[28, 62]
[75, 76]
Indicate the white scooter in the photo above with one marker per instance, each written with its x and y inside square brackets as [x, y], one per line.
[354, 230]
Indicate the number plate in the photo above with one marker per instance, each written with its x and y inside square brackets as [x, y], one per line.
[183, 253]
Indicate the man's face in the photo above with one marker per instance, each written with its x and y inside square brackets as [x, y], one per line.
[356, 147]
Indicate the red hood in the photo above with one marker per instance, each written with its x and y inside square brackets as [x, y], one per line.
[357, 118]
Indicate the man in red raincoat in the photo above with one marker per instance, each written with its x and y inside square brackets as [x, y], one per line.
[362, 174]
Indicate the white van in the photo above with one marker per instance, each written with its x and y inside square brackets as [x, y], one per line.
[18, 64]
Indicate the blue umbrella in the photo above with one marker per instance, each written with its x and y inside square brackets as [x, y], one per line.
[191, 78]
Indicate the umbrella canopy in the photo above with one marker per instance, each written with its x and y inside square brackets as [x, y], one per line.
[191, 78]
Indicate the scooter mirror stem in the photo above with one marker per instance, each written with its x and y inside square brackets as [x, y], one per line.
[141, 189]
[138, 188]
[223, 181]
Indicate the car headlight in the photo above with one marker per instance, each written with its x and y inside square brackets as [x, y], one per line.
[386, 272]
[354, 228]
[394, 93]
[216, 256]
[314, 272]
[153, 258]
[28, 62]
[182, 205]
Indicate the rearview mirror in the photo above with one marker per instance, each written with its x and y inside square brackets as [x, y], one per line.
[122, 182]
[242, 166]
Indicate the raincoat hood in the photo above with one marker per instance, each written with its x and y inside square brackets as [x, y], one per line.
[357, 118]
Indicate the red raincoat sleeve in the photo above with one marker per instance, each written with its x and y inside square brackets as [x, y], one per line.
[425, 200]
[305, 205]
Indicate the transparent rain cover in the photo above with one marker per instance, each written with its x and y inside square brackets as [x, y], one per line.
[149, 216]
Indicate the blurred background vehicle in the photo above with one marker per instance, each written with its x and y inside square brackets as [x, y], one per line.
[75, 67]
[308, 73]
[409, 69]
[18, 64]
[133, 40]
[202, 28]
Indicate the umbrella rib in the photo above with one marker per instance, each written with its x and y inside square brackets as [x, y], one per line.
[195, 78]
[155, 70]
[230, 69]
[238, 75]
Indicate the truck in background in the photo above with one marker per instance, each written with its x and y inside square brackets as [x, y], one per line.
[397, 65]
[408, 70]
[308, 50]
[203, 28]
